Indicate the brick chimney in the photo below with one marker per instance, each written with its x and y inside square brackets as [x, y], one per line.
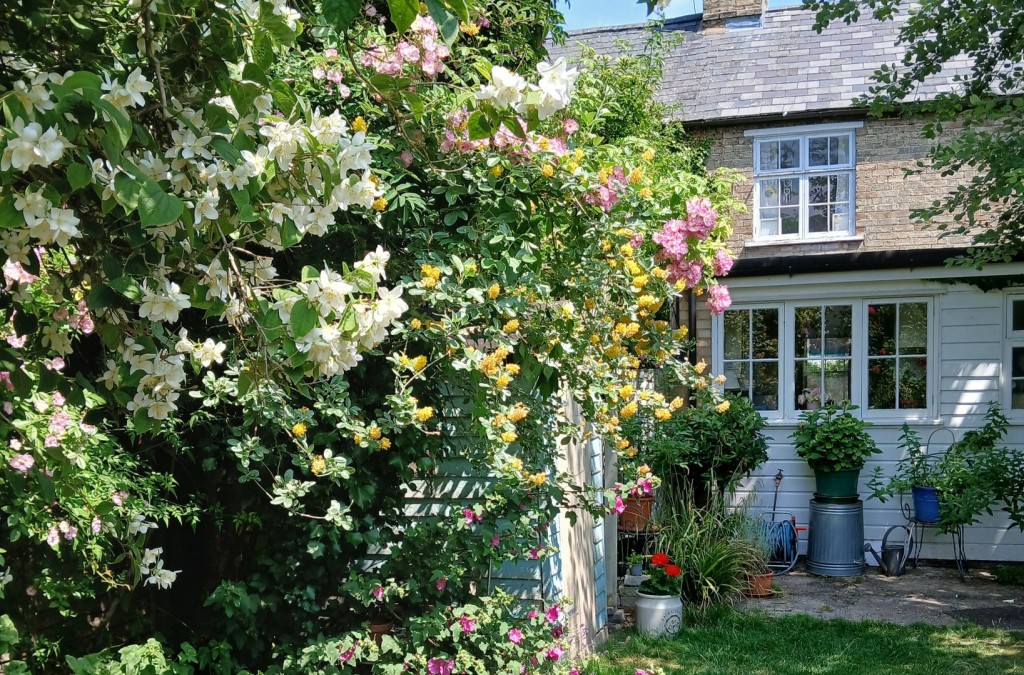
[716, 12]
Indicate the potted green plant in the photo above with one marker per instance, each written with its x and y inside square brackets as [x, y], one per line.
[916, 473]
[636, 564]
[659, 609]
[835, 444]
[756, 539]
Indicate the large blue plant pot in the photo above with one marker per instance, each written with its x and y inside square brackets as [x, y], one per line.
[926, 504]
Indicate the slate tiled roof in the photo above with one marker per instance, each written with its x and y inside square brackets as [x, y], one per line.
[782, 67]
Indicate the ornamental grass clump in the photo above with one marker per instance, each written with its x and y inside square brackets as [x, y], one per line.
[664, 577]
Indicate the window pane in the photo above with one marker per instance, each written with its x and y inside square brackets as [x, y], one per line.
[737, 334]
[817, 218]
[770, 192]
[882, 384]
[790, 220]
[766, 386]
[839, 149]
[807, 331]
[789, 154]
[769, 159]
[837, 380]
[1018, 315]
[840, 218]
[790, 192]
[817, 150]
[838, 330]
[769, 224]
[806, 377]
[817, 189]
[914, 328]
[766, 334]
[736, 377]
[913, 382]
[840, 187]
[1018, 362]
[881, 330]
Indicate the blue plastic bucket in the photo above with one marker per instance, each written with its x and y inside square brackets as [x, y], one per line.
[926, 504]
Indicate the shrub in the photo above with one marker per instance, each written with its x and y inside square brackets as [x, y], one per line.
[832, 439]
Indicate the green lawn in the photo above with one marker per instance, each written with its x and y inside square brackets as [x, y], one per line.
[726, 641]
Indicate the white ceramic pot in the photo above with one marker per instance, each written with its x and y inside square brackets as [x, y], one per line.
[658, 614]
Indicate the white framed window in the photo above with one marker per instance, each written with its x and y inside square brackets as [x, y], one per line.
[805, 182]
[875, 353]
[1014, 356]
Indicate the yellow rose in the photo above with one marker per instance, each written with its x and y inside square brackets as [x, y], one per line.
[299, 429]
[547, 171]
[379, 204]
[538, 479]
[385, 443]
[419, 363]
[416, 324]
[722, 407]
[648, 155]
[318, 465]
[470, 29]
[509, 437]
[423, 414]
[497, 170]
[629, 410]
[494, 291]
[359, 124]
[662, 414]
[511, 326]
[374, 433]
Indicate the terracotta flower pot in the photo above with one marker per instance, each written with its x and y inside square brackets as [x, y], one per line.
[379, 627]
[637, 515]
[759, 585]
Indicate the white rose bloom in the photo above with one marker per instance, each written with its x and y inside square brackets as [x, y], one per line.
[216, 277]
[255, 163]
[187, 145]
[163, 304]
[60, 227]
[328, 130]
[278, 212]
[264, 104]
[360, 192]
[262, 269]
[154, 167]
[117, 95]
[161, 410]
[250, 8]
[136, 85]
[56, 340]
[556, 83]
[210, 352]
[330, 292]
[390, 306]
[505, 89]
[15, 243]
[320, 219]
[374, 262]
[184, 345]
[284, 308]
[112, 377]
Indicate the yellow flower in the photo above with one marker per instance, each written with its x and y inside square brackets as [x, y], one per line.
[497, 170]
[359, 124]
[538, 479]
[423, 414]
[648, 155]
[606, 245]
[646, 193]
[385, 443]
[318, 465]
[571, 165]
[700, 367]
[603, 175]
[469, 28]
[648, 302]
[428, 282]
[681, 333]
[722, 407]
[626, 250]
[379, 204]
[640, 281]
[720, 380]
[499, 420]
[300, 429]
[357, 439]
[494, 291]
[578, 154]
[419, 363]
[643, 470]
[631, 452]
[636, 175]
[662, 414]
[633, 268]
[416, 324]
[622, 444]
[644, 395]
[626, 391]
[515, 464]
[629, 410]
[676, 403]
[509, 437]
[374, 433]
[680, 285]
[512, 368]
[423, 8]
[502, 381]
[589, 303]
[547, 171]
[595, 338]
[511, 326]
[659, 272]
[518, 413]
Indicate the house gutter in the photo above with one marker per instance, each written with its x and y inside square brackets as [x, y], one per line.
[846, 262]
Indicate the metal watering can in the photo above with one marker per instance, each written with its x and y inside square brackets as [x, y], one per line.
[893, 561]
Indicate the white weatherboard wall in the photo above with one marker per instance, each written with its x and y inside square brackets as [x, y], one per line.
[970, 356]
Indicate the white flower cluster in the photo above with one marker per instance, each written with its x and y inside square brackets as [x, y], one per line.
[162, 379]
[509, 90]
[152, 567]
[330, 345]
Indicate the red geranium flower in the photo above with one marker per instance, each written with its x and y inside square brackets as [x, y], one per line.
[673, 570]
[659, 560]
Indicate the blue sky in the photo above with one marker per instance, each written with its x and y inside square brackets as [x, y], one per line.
[592, 13]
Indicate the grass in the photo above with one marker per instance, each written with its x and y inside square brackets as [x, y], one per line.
[1010, 575]
[724, 641]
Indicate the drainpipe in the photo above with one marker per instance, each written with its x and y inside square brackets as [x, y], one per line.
[691, 323]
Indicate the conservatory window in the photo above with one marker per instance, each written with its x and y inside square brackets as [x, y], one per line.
[822, 354]
[897, 355]
[751, 355]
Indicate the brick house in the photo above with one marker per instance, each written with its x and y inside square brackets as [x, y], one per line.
[834, 287]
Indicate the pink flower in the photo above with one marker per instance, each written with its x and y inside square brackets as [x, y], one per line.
[532, 615]
[346, 656]
[330, 53]
[60, 314]
[471, 516]
[723, 263]
[378, 592]
[718, 299]
[555, 653]
[570, 126]
[5, 377]
[620, 506]
[53, 537]
[515, 636]
[51, 441]
[406, 158]
[557, 632]
[370, 11]
[8, 408]
[553, 614]
[319, 73]
[118, 497]
[22, 463]
[495, 541]
[68, 530]
[468, 624]
[441, 583]
[409, 52]
[58, 399]
[534, 553]
[56, 363]
[59, 421]
[701, 217]
[440, 666]
[97, 524]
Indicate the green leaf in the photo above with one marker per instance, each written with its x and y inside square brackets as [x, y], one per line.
[120, 121]
[79, 175]
[157, 207]
[340, 13]
[348, 321]
[101, 297]
[363, 280]
[403, 13]
[84, 80]
[127, 287]
[310, 273]
[461, 8]
[284, 98]
[447, 23]
[226, 150]
[127, 191]
[10, 217]
[479, 126]
[304, 318]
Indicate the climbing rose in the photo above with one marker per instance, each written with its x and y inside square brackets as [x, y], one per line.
[22, 463]
[440, 666]
[718, 299]
[515, 636]
[554, 613]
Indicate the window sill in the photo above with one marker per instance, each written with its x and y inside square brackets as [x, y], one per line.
[759, 243]
[885, 422]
